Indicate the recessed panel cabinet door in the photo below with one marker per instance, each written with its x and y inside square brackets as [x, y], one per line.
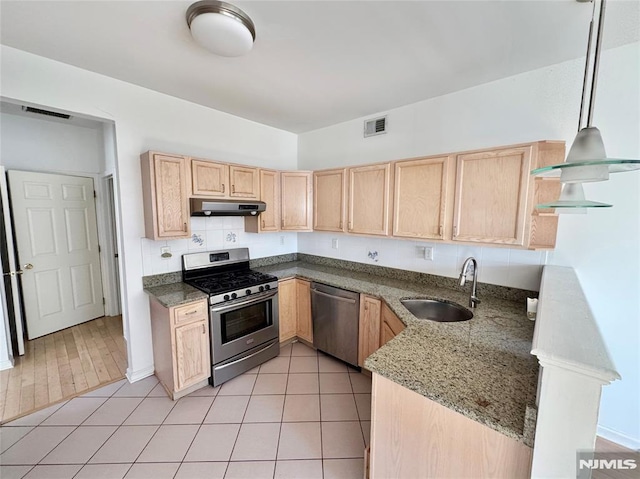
[287, 304]
[244, 182]
[369, 195]
[270, 194]
[304, 328]
[171, 196]
[329, 199]
[209, 178]
[420, 198]
[491, 195]
[296, 201]
[191, 354]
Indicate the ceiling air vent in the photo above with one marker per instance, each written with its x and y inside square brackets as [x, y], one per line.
[376, 126]
[29, 109]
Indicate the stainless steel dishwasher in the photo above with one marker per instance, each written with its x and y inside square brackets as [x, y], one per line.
[335, 314]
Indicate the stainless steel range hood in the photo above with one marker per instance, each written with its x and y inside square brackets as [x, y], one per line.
[201, 207]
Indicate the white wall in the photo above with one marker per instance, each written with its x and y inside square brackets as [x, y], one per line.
[31, 143]
[144, 120]
[603, 247]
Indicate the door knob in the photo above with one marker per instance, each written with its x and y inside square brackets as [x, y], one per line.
[28, 266]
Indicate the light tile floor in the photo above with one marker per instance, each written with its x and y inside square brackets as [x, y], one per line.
[302, 415]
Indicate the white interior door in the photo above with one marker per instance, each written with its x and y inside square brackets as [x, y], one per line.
[57, 241]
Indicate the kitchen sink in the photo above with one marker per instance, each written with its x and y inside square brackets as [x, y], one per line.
[435, 310]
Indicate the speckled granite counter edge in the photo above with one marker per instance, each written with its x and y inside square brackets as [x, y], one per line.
[484, 289]
[175, 294]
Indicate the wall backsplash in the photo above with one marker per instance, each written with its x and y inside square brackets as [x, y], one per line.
[502, 266]
[208, 234]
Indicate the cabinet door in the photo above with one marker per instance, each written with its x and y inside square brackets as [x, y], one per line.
[192, 357]
[369, 199]
[171, 196]
[244, 182]
[296, 201]
[329, 200]
[304, 327]
[390, 325]
[270, 194]
[420, 198]
[209, 179]
[287, 305]
[369, 331]
[491, 195]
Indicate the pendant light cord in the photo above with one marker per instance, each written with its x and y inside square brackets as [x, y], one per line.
[596, 62]
[586, 67]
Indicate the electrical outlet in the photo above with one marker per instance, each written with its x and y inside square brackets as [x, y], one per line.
[428, 253]
[334, 243]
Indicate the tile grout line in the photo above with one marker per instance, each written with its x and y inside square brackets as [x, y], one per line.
[284, 400]
[320, 410]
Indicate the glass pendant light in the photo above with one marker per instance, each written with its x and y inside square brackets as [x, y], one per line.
[587, 159]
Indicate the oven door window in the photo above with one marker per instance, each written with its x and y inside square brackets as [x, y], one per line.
[249, 319]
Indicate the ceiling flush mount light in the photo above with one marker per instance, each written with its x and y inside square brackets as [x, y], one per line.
[587, 160]
[221, 28]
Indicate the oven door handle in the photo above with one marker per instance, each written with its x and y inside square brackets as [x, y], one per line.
[244, 358]
[252, 299]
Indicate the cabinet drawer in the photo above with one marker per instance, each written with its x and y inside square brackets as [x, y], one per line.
[190, 312]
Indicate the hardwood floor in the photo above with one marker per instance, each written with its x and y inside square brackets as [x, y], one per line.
[602, 445]
[63, 365]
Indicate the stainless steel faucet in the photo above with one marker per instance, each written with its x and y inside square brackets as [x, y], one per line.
[473, 299]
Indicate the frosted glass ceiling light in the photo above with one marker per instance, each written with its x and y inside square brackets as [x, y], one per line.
[587, 160]
[221, 28]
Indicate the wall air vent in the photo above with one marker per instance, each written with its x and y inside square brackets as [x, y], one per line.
[376, 126]
[38, 111]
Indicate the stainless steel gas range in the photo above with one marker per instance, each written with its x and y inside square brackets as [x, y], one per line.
[243, 310]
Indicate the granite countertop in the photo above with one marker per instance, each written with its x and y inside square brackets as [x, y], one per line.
[481, 368]
[175, 294]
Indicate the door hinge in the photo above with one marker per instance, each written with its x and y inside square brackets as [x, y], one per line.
[94, 194]
[103, 301]
[99, 249]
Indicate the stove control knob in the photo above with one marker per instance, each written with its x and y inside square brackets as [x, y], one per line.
[234, 295]
[261, 289]
[267, 287]
[226, 297]
[248, 292]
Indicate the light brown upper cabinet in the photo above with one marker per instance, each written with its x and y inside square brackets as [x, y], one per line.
[369, 199]
[329, 200]
[244, 182]
[420, 202]
[491, 196]
[296, 200]
[268, 220]
[209, 179]
[219, 180]
[495, 196]
[165, 196]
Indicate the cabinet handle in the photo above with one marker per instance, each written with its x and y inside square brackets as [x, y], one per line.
[191, 312]
[262, 224]
[185, 227]
[441, 230]
[455, 230]
[340, 224]
[203, 331]
[233, 188]
[223, 187]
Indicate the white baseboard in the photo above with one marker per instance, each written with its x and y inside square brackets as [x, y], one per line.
[134, 376]
[6, 364]
[619, 438]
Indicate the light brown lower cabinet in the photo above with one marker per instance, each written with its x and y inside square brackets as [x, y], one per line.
[369, 327]
[294, 304]
[414, 437]
[181, 346]
[390, 325]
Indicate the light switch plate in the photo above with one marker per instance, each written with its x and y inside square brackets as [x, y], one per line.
[428, 253]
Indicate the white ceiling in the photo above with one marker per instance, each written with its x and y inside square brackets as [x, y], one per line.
[315, 63]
